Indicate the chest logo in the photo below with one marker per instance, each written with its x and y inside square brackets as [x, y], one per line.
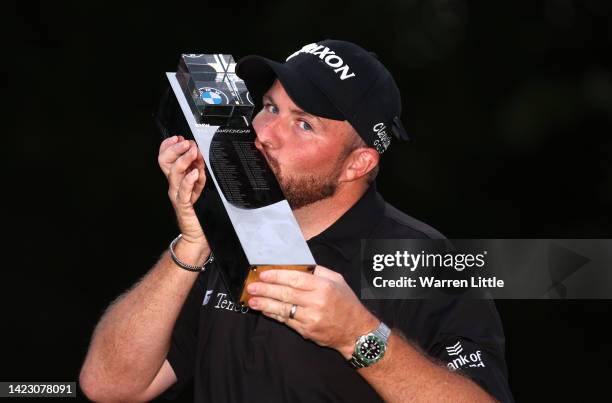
[207, 297]
[222, 301]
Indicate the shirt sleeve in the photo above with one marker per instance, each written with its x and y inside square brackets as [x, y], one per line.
[466, 335]
[183, 344]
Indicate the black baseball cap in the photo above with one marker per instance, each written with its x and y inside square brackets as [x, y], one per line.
[336, 80]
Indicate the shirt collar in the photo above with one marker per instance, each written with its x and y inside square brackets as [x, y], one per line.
[356, 224]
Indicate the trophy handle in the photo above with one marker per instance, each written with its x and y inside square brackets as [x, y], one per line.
[254, 271]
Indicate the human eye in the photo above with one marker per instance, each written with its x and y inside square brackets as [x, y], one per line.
[269, 107]
[304, 125]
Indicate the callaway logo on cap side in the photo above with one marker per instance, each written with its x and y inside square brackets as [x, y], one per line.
[383, 141]
[329, 57]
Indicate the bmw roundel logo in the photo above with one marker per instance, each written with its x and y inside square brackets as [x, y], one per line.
[213, 96]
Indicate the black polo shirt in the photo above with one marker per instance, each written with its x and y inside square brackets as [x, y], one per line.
[234, 354]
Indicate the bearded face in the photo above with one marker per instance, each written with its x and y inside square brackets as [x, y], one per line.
[302, 189]
[306, 153]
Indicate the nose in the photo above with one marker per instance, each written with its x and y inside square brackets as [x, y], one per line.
[267, 131]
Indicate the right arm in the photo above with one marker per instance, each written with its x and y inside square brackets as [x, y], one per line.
[127, 355]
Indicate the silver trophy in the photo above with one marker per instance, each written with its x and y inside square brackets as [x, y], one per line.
[246, 219]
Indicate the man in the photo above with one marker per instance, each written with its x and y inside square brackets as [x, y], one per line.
[327, 117]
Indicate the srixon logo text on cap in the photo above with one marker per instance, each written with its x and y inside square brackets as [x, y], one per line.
[329, 57]
[383, 140]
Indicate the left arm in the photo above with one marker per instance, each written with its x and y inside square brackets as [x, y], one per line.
[330, 314]
[407, 374]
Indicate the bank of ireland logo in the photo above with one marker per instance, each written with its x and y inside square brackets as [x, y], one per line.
[455, 349]
[457, 360]
[213, 96]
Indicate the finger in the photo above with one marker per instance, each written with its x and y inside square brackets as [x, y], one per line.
[327, 273]
[292, 278]
[199, 160]
[272, 306]
[293, 324]
[168, 143]
[199, 185]
[186, 187]
[171, 154]
[278, 292]
[173, 150]
[180, 166]
[275, 317]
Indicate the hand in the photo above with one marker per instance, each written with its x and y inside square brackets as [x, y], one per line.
[328, 311]
[183, 165]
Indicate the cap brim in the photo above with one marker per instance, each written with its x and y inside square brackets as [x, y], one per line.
[259, 74]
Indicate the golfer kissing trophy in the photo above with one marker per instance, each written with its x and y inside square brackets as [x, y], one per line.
[247, 221]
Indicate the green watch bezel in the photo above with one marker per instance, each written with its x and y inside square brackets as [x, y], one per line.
[373, 338]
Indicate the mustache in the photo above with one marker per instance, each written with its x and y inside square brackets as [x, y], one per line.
[273, 162]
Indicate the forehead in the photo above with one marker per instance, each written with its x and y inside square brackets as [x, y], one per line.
[278, 91]
[278, 94]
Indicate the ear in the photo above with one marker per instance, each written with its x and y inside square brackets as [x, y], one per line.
[359, 163]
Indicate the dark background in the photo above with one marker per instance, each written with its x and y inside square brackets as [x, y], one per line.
[509, 103]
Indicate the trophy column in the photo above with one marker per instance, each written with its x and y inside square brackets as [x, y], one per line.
[243, 212]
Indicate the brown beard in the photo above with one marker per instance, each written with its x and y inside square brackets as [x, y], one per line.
[302, 190]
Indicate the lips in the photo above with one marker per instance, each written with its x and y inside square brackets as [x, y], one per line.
[272, 162]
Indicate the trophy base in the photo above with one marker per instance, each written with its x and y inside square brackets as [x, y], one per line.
[253, 276]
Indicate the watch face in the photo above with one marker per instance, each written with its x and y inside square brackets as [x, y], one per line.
[371, 349]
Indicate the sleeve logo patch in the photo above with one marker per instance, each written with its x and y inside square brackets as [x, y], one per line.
[457, 360]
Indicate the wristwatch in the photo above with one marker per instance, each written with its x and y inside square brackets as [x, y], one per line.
[370, 348]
